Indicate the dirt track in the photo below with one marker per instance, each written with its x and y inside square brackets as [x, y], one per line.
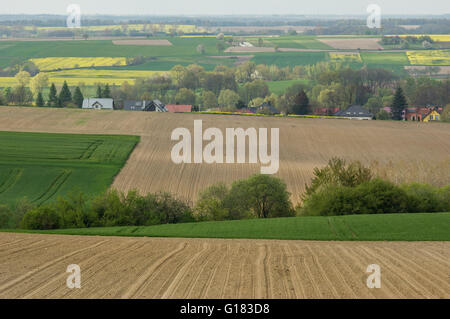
[34, 266]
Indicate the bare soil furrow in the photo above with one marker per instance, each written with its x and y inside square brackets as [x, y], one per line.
[114, 267]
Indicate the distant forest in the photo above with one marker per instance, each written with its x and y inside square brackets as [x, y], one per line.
[323, 24]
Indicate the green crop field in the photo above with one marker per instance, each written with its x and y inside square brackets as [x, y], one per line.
[182, 47]
[294, 42]
[41, 166]
[395, 227]
[283, 59]
[397, 58]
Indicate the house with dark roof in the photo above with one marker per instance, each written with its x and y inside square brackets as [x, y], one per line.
[146, 106]
[98, 104]
[355, 112]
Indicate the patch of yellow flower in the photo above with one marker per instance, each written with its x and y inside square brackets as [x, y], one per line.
[432, 57]
[89, 77]
[434, 37]
[345, 57]
[50, 64]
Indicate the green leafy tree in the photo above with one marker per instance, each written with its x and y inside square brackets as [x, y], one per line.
[39, 100]
[383, 115]
[78, 97]
[210, 205]
[262, 196]
[185, 96]
[228, 99]
[65, 96]
[399, 104]
[209, 99]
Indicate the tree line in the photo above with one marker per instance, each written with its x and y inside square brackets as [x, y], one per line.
[324, 85]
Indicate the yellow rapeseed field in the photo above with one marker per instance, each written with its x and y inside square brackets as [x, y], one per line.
[49, 64]
[432, 57]
[90, 77]
[434, 37]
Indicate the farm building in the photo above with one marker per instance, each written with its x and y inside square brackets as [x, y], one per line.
[146, 106]
[422, 114]
[172, 108]
[355, 112]
[98, 104]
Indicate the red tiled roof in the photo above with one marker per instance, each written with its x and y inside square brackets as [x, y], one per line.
[179, 108]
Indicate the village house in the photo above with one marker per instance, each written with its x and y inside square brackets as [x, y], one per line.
[146, 106]
[355, 112]
[422, 114]
[98, 104]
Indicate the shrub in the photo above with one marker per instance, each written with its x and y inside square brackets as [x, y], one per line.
[5, 217]
[110, 209]
[338, 173]
[373, 197]
[426, 198]
[117, 209]
[44, 218]
[210, 204]
[73, 211]
[423, 198]
[170, 210]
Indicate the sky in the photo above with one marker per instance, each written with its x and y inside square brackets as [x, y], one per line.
[226, 7]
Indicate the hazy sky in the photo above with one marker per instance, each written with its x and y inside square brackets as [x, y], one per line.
[225, 7]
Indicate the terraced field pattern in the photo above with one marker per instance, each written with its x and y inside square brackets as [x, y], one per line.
[41, 166]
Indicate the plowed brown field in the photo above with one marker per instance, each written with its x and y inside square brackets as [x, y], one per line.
[304, 145]
[34, 266]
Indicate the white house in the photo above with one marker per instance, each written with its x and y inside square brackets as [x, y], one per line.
[98, 104]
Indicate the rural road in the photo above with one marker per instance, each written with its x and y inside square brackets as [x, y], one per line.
[34, 266]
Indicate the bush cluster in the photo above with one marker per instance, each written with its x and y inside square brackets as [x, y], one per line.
[260, 196]
[344, 189]
[110, 209]
[340, 188]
